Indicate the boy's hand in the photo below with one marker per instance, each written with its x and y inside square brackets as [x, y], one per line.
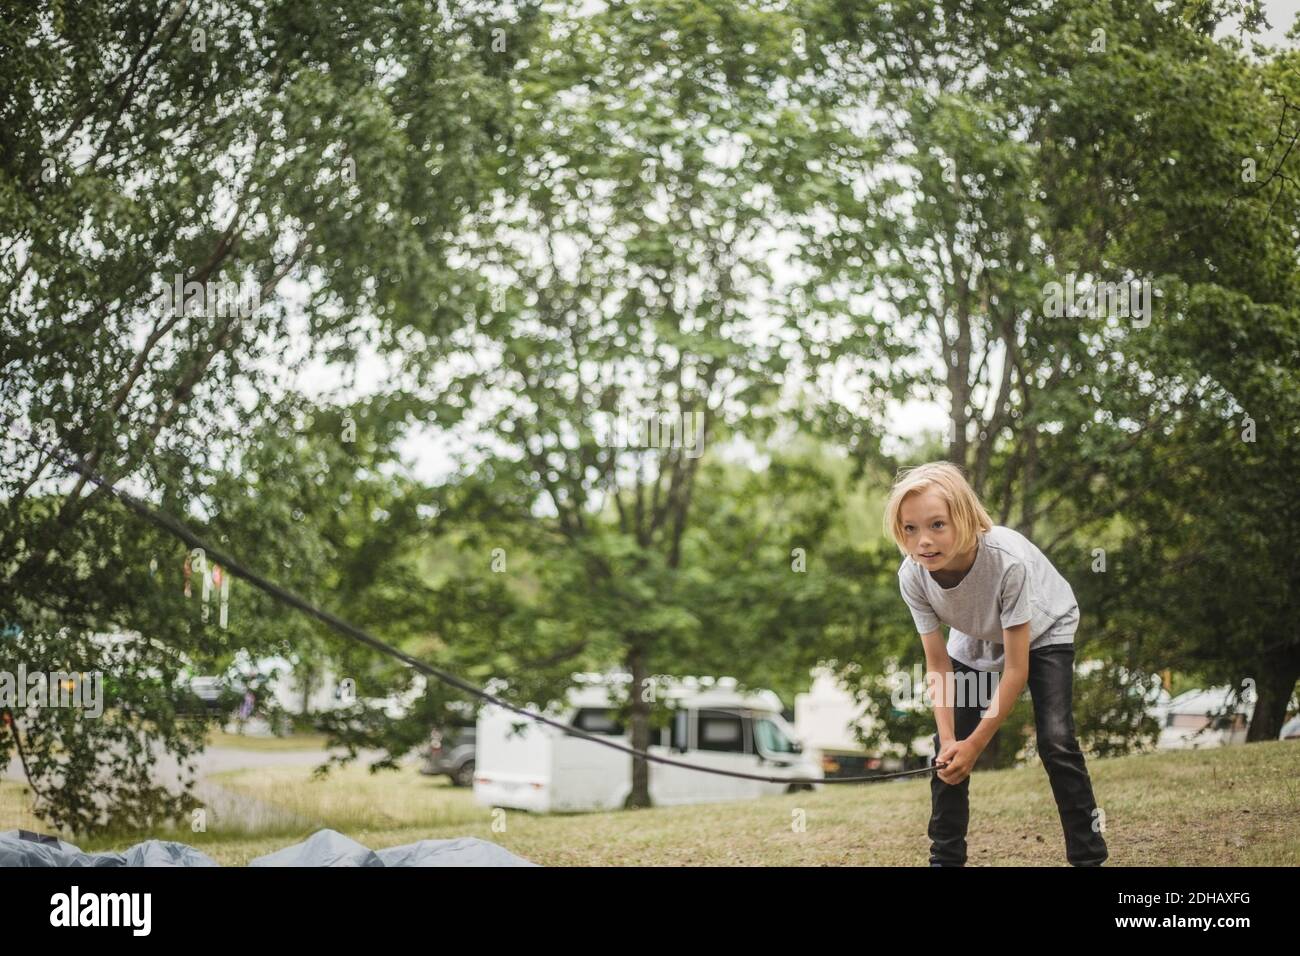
[957, 758]
[947, 750]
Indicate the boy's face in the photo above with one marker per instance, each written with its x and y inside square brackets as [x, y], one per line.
[927, 530]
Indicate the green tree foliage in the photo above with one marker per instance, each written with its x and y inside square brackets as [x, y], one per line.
[239, 146]
[765, 223]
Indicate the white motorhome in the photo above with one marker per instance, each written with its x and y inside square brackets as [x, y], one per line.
[531, 766]
[1203, 718]
[828, 719]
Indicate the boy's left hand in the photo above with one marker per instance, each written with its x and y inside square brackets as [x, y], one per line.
[957, 760]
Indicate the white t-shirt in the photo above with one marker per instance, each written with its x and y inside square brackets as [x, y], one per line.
[1011, 582]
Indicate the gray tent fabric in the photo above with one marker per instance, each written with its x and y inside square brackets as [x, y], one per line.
[322, 848]
[16, 851]
[462, 851]
[331, 848]
[165, 853]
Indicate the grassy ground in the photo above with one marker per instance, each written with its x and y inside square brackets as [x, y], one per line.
[1237, 806]
[218, 738]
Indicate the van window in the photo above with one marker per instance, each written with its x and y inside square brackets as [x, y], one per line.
[721, 731]
[1230, 722]
[770, 738]
[597, 720]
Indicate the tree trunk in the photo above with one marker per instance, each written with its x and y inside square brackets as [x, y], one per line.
[640, 725]
[1028, 489]
[1274, 685]
[308, 684]
[959, 389]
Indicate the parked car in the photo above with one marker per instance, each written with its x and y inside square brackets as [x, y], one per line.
[451, 751]
[208, 690]
[532, 766]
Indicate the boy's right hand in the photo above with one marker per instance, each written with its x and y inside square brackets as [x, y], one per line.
[947, 748]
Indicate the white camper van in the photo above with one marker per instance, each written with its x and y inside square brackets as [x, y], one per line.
[531, 766]
[1201, 719]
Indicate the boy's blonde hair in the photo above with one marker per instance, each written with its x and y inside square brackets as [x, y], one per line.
[968, 515]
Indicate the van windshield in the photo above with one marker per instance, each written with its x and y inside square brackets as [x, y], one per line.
[772, 739]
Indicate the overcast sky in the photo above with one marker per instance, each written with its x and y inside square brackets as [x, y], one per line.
[1281, 15]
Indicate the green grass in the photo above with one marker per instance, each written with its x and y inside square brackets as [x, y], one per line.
[1236, 806]
[218, 738]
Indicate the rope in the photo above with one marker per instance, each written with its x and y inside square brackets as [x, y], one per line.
[285, 596]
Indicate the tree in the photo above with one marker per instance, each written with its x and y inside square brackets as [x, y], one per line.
[233, 146]
[1057, 144]
[621, 279]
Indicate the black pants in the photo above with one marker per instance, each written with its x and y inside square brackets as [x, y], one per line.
[1051, 680]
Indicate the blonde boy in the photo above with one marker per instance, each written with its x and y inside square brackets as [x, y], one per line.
[1009, 611]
